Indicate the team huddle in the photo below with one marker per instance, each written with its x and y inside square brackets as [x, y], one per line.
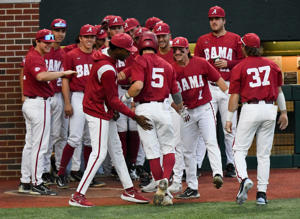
[125, 97]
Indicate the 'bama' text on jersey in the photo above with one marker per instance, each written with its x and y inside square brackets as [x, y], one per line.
[83, 70]
[221, 52]
[190, 82]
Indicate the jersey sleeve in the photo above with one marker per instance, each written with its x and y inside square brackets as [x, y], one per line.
[198, 51]
[212, 73]
[174, 86]
[239, 54]
[108, 80]
[36, 66]
[137, 72]
[235, 80]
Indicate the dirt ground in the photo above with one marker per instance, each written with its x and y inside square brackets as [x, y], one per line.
[284, 183]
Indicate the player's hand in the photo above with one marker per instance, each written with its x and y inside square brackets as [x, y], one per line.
[23, 98]
[143, 122]
[221, 63]
[68, 110]
[69, 72]
[228, 127]
[121, 76]
[283, 120]
[116, 115]
[184, 113]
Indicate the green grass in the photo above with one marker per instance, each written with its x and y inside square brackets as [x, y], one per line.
[281, 208]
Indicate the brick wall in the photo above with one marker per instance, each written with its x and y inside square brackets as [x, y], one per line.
[19, 21]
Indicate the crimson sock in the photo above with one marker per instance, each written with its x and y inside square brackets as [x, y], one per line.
[65, 159]
[156, 169]
[86, 154]
[133, 146]
[168, 164]
[123, 138]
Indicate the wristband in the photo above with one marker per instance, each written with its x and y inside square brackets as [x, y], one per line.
[281, 101]
[229, 116]
[127, 95]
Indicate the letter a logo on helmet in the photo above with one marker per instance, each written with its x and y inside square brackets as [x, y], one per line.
[177, 42]
[214, 11]
[89, 30]
[115, 20]
[159, 28]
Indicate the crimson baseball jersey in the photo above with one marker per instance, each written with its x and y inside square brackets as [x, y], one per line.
[256, 78]
[101, 94]
[70, 47]
[158, 76]
[226, 47]
[54, 63]
[168, 57]
[23, 61]
[193, 81]
[35, 64]
[80, 62]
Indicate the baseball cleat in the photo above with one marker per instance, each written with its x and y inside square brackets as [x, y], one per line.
[151, 187]
[79, 200]
[134, 196]
[96, 184]
[261, 198]
[42, 189]
[48, 179]
[218, 181]
[175, 187]
[161, 192]
[245, 186]
[75, 176]
[61, 182]
[230, 170]
[188, 194]
[24, 188]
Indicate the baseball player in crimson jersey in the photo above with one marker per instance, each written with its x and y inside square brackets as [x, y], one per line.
[101, 38]
[151, 22]
[101, 98]
[223, 50]
[59, 125]
[130, 25]
[153, 80]
[36, 111]
[193, 74]
[79, 59]
[257, 81]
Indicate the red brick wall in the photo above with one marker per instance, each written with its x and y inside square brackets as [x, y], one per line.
[18, 25]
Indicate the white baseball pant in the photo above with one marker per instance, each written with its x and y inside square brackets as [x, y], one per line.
[202, 123]
[200, 151]
[220, 103]
[259, 119]
[37, 118]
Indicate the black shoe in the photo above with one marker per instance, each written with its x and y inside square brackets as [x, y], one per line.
[188, 194]
[48, 179]
[261, 198]
[199, 171]
[145, 179]
[42, 189]
[62, 182]
[24, 188]
[230, 170]
[53, 166]
[76, 176]
[184, 175]
[96, 183]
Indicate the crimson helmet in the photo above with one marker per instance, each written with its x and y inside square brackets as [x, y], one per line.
[148, 40]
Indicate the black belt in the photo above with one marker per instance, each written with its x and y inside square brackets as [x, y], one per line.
[257, 101]
[125, 87]
[152, 101]
[213, 84]
[34, 97]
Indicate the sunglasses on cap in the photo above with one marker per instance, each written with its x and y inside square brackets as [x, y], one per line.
[243, 41]
[48, 37]
[60, 24]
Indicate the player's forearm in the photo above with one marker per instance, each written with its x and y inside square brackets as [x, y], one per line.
[222, 85]
[21, 80]
[49, 76]
[65, 89]
[233, 102]
[281, 101]
[135, 88]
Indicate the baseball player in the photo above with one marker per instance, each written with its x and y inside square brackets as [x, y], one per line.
[193, 74]
[257, 81]
[36, 111]
[79, 59]
[153, 80]
[130, 25]
[101, 98]
[58, 136]
[101, 38]
[223, 50]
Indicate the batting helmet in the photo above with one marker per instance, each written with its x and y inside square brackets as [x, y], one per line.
[148, 40]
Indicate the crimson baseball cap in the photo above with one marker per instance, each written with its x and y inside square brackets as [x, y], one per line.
[161, 29]
[101, 33]
[88, 30]
[130, 23]
[216, 11]
[58, 24]
[123, 40]
[251, 40]
[138, 32]
[150, 22]
[115, 21]
[181, 42]
[45, 35]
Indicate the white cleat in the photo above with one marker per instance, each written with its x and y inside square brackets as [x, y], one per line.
[175, 187]
[245, 186]
[151, 187]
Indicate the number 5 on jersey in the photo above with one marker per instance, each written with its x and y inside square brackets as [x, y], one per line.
[155, 75]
